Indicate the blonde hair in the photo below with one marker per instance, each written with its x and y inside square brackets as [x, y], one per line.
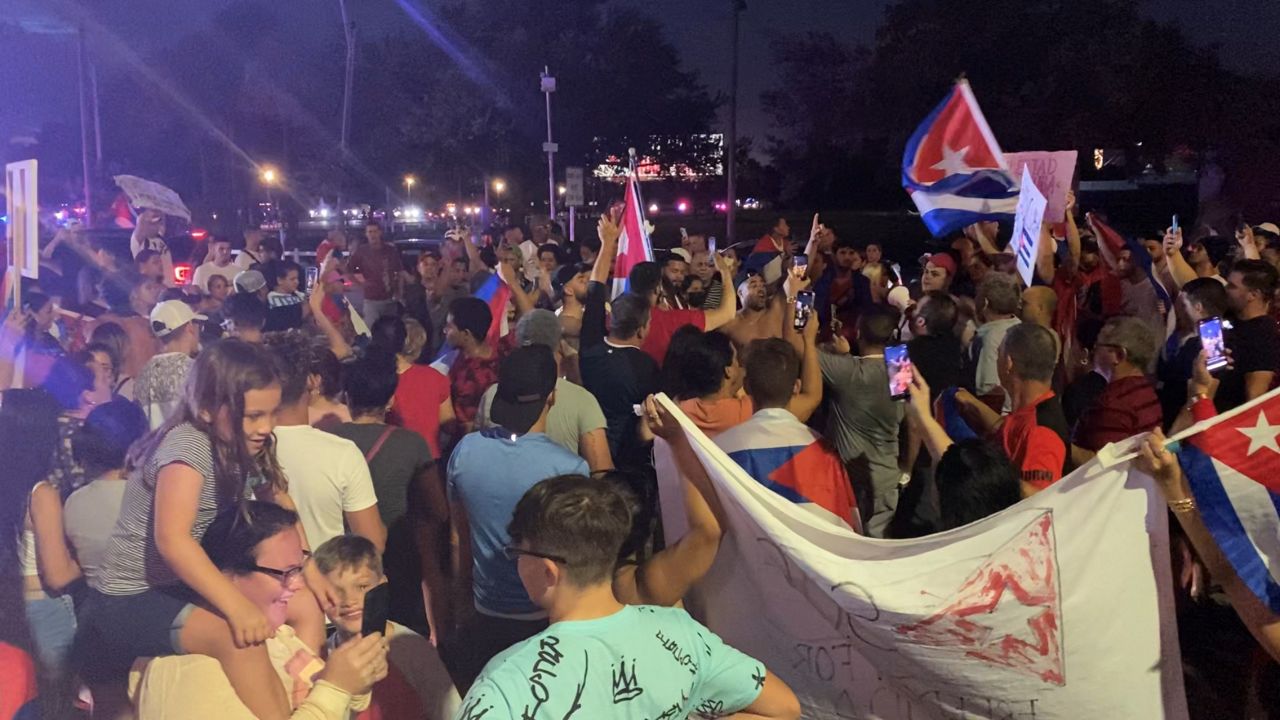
[415, 338]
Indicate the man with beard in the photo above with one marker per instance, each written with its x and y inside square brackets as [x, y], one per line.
[760, 316]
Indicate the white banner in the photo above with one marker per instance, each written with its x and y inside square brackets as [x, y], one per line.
[22, 207]
[1026, 227]
[153, 195]
[1058, 607]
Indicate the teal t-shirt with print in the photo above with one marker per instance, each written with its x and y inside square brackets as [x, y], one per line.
[641, 662]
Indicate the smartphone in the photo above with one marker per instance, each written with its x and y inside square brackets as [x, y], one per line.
[898, 364]
[711, 245]
[800, 261]
[1212, 341]
[377, 605]
[1174, 226]
[313, 274]
[804, 309]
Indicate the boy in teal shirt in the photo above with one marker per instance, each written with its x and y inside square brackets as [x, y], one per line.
[600, 658]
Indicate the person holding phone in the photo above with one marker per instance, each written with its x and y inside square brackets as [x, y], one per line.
[865, 419]
[417, 684]
[261, 555]
[1253, 340]
[1200, 300]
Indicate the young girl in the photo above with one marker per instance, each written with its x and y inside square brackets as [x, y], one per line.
[157, 593]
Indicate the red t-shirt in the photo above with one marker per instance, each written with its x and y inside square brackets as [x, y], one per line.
[1037, 449]
[469, 377]
[1126, 407]
[663, 324]
[416, 404]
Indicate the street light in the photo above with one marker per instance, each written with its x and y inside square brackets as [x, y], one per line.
[499, 186]
[409, 180]
[268, 176]
[561, 190]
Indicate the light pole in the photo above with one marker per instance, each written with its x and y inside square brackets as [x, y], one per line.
[409, 180]
[731, 142]
[269, 178]
[499, 186]
[549, 147]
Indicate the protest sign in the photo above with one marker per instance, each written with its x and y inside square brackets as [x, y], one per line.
[1058, 607]
[574, 192]
[1052, 173]
[1026, 227]
[153, 195]
[22, 206]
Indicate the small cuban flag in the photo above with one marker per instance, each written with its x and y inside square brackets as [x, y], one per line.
[1233, 468]
[954, 169]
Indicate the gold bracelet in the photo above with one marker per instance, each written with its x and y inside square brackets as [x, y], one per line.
[1185, 505]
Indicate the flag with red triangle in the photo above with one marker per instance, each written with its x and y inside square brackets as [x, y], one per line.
[1233, 467]
[633, 244]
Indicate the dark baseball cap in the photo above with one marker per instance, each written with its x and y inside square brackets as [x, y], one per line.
[525, 379]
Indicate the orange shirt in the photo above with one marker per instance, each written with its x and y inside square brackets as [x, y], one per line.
[716, 416]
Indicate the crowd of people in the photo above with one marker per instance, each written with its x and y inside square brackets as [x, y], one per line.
[207, 480]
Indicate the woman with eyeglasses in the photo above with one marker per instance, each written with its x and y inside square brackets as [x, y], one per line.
[157, 592]
[258, 551]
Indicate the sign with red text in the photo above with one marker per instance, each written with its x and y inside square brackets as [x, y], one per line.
[1025, 243]
[1057, 607]
[1052, 173]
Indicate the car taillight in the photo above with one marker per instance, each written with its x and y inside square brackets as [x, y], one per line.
[199, 234]
[182, 273]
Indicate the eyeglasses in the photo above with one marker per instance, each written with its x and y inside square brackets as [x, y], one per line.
[284, 576]
[513, 553]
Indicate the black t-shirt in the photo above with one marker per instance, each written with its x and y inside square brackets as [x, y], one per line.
[620, 378]
[593, 315]
[938, 359]
[1173, 374]
[1255, 347]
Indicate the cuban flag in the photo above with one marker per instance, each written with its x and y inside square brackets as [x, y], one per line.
[954, 170]
[1117, 242]
[795, 462]
[633, 244]
[496, 293]
[1231, 466]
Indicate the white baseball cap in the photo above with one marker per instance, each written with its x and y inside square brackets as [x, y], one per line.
[171, 315]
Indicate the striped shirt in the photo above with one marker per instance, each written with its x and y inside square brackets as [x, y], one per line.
[1126, 407]
[133, 563]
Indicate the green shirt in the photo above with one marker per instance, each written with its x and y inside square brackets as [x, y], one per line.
[641, 662]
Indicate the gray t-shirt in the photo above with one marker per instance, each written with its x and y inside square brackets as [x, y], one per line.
[89, 516]
[133, 563]
[576, 413]
[864, 420]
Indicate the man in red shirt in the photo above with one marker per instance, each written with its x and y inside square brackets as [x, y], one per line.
[1034, 435]
[376, 265]
[664, 319]
[1123, 353]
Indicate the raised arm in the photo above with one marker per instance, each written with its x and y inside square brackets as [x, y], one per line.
[1179, 270]
[813, 250]
[1044, 259]
[804, 403]
[608, 231]
[1158, 462]
[727, 311]
[1073, 231]
[922, 422]
[1104, 250]
[337, 343]
[665, 578]
[524, 301]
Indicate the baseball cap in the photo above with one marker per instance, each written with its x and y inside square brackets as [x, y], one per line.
[249, 281]
[1267, 227]
[538, 327]
[942, 260]
[682, 254]
[170, 315]
[525, 379]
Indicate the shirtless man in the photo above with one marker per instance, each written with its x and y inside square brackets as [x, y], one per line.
[760, 316]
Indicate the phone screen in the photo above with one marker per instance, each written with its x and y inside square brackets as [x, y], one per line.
[898, 364]
[313, 274]
[804, 309]
[1212, 342]
[1175, 223]
[377, 605]
[801, 261]
[711, 245]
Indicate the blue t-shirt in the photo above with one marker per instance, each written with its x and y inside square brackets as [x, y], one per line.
[489, 472]
[641, 662]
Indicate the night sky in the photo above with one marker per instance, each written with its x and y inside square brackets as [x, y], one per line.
[41, 84]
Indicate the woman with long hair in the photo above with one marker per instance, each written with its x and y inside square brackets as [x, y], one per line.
[157, 592]
[115, 339]
[34, 620]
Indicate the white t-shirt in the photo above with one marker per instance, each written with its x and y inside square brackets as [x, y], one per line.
[246, 258]
[327, 477]
[208, 270]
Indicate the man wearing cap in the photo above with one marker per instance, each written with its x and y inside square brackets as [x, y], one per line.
[488, 473]
[251, 282]
[158, 388]
[939, 272]
[576, 423]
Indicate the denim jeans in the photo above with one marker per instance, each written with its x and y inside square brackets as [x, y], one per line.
[53, 629]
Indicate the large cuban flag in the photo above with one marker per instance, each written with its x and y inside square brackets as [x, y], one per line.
[633, 244]
[1232, 463]
[954, 169]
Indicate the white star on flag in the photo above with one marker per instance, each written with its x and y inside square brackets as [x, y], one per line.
[1262, 435]
[952, 161]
